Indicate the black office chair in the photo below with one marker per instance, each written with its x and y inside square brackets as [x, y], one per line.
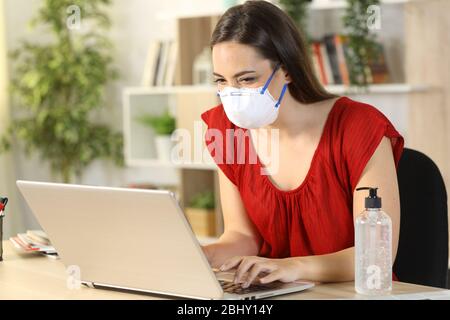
[422, 255]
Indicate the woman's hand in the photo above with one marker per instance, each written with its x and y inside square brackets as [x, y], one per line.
[207, 250]
[285, 270]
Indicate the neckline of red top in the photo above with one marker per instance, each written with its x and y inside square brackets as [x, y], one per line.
[266, 177]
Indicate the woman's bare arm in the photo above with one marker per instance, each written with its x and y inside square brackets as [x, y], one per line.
[339, 266]
[379, 172]
[240, 236]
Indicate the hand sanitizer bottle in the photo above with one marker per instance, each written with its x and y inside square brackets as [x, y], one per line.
[373, 248]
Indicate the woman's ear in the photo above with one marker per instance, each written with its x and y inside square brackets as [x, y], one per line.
[287, 77]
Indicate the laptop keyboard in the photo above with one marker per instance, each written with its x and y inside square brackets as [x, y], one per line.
[231, 287]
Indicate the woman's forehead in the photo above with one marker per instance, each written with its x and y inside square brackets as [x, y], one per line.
[231, 57]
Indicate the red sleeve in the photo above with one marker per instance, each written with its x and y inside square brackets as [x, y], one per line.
[364, 127]
[216, 142]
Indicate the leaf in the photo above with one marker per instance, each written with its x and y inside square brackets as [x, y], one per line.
[203, 200]
[361, 40]
[163, 124]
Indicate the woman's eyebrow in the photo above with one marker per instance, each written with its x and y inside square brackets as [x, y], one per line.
[237, 74]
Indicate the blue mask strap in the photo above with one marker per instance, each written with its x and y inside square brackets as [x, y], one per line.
[270, 78]
[281, 95]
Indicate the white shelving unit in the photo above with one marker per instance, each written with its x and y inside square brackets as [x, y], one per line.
[139, 140]
[139, 150]
[340, 4]
[150, 163]
[382, 89]
[388, 88]
[315, 5]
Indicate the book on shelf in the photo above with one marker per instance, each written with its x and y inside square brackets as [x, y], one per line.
[160, 64]
[331, 56]
[150, 64]
[34, 241]
[317, 59]
[341, 58]
[164, 50]
[378, 69]
[172, 55]
[157, 64]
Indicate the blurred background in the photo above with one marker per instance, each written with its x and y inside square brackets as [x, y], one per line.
[91, 90]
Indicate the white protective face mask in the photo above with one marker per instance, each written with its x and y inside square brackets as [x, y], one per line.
[251, 108]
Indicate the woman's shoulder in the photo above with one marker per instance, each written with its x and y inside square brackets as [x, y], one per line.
[356, 132]
[216, 118]
[351, 117]
[350, 110]
[357, 119]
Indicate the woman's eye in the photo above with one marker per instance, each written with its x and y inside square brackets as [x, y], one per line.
[218, 80]
[247, 80]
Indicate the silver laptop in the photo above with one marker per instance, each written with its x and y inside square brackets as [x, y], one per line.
[134, 239]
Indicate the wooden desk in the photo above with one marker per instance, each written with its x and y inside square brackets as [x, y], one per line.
[38, 277]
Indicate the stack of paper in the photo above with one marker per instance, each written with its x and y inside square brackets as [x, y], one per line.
[34, 241]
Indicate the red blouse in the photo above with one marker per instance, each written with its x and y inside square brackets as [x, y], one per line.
[316, 217]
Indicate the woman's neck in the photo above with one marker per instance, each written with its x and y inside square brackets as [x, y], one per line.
[295, 117]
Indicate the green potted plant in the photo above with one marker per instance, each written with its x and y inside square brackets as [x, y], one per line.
[298, 11]
[362, 42]
[58, 86]
[163, 125]
[201, 214]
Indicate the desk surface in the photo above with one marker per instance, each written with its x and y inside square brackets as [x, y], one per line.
[24, 276]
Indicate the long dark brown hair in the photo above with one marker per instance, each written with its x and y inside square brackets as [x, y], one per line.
[275, 36]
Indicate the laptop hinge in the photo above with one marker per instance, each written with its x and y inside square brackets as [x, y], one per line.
[89, 284]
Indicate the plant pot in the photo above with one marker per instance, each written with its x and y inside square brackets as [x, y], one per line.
[163, 147]
[202, 221]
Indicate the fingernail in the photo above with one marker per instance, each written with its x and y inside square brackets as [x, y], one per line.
[222, 267]
[245, 285]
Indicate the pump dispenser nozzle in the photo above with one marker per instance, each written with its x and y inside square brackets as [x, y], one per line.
[372, 201]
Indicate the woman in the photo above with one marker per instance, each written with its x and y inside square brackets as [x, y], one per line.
[295, 221]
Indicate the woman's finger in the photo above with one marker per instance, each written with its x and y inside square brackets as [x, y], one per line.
[231, 263]
[256, 270]
[244, 266]
[273, 276]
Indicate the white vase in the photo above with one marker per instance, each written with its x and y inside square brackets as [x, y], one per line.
[163, 147]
